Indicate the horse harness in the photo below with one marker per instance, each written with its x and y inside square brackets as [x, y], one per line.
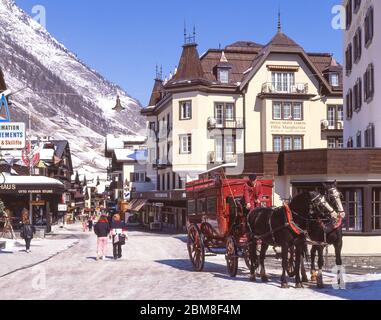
[290, 223]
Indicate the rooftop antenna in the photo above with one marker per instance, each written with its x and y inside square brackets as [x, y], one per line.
[159, 73]
[279, 20]
[189, 38]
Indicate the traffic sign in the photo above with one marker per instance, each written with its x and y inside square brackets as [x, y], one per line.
[4, 110]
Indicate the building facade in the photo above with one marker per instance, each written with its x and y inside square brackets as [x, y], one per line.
[362, 77]
[244, 98]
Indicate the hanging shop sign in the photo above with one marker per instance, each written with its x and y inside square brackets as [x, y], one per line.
[62, 208]
[38, 203]
[9, 188]
[12, 135]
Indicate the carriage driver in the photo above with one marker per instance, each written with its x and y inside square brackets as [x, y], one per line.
[252, 193]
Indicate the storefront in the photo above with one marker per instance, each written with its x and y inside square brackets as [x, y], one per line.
[161, 210]
[357, 173]
[41, 195]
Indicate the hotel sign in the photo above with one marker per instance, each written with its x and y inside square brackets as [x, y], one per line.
[12, 135]
[288, 127]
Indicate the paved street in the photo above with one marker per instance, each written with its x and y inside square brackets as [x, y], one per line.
[156, 267]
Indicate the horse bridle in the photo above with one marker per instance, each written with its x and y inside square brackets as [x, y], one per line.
[320, 202]
[335, 195]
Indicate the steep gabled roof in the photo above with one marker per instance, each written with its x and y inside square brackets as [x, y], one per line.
[157, 92]
[281, 43]
[190, 68]
[282, 40]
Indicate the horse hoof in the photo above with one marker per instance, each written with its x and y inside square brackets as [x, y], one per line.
[320, 286]
[313, 278]
[305, 280]
[265, 279]
[253, 279]
[299, 286]
[285, 286]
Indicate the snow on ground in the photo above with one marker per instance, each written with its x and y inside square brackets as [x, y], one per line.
[157, 267]
[14, 257]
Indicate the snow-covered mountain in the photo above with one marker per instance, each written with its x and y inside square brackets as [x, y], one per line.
[66, 98]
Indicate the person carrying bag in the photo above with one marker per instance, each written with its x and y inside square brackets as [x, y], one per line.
[119, 235]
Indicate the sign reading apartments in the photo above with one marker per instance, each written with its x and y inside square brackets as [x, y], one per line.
[12, 135]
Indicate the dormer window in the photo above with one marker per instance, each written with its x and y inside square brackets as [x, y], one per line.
[334, 79]
[223, 69]
[223, 75]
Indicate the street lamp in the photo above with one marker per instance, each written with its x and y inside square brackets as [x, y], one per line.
[118, 107]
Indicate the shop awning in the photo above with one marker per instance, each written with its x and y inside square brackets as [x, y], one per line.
[136, 205]
[31, 185]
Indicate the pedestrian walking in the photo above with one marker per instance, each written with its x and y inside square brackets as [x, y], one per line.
[90, 223]
[27, 230]
[119, 235]
[102, 230]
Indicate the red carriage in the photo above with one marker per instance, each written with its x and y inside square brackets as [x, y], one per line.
[217, 220]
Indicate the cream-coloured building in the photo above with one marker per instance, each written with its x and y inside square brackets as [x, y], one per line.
[243, 98]
[229, 102]
[362, 45]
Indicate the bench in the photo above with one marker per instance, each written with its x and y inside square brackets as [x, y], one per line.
[2, 245]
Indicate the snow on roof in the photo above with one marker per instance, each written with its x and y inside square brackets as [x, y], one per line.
[31, 180]
[129, 155]
[118, 141]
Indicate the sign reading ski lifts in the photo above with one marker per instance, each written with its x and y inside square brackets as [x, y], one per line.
[12, 134]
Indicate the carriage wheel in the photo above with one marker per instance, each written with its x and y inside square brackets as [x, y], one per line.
[196, 248]
[248, 260]
[291, 262]
[231, 257]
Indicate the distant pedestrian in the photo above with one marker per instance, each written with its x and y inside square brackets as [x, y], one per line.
[27, 230]
[102, 230]
[119, 235]
[90, 223]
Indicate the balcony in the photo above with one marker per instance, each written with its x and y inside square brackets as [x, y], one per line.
[332, 125]
[216, 123]
[228, 158]
[297, 88]
[161, 164]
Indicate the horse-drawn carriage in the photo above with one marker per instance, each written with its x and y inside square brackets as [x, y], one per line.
[217, 220]
[219, 223]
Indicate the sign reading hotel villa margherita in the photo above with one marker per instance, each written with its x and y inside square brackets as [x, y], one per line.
[12, 135]
[289, 127]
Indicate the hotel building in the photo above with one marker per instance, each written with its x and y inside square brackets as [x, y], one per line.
[242, 99]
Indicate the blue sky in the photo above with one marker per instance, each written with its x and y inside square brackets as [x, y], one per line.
[124, 39]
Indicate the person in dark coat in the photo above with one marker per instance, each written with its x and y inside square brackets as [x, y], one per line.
[102, 230]
[118, 232]
[90, 223]
[27, 230]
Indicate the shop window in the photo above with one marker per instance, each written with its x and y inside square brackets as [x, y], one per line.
[201, 206]
[353, 205]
